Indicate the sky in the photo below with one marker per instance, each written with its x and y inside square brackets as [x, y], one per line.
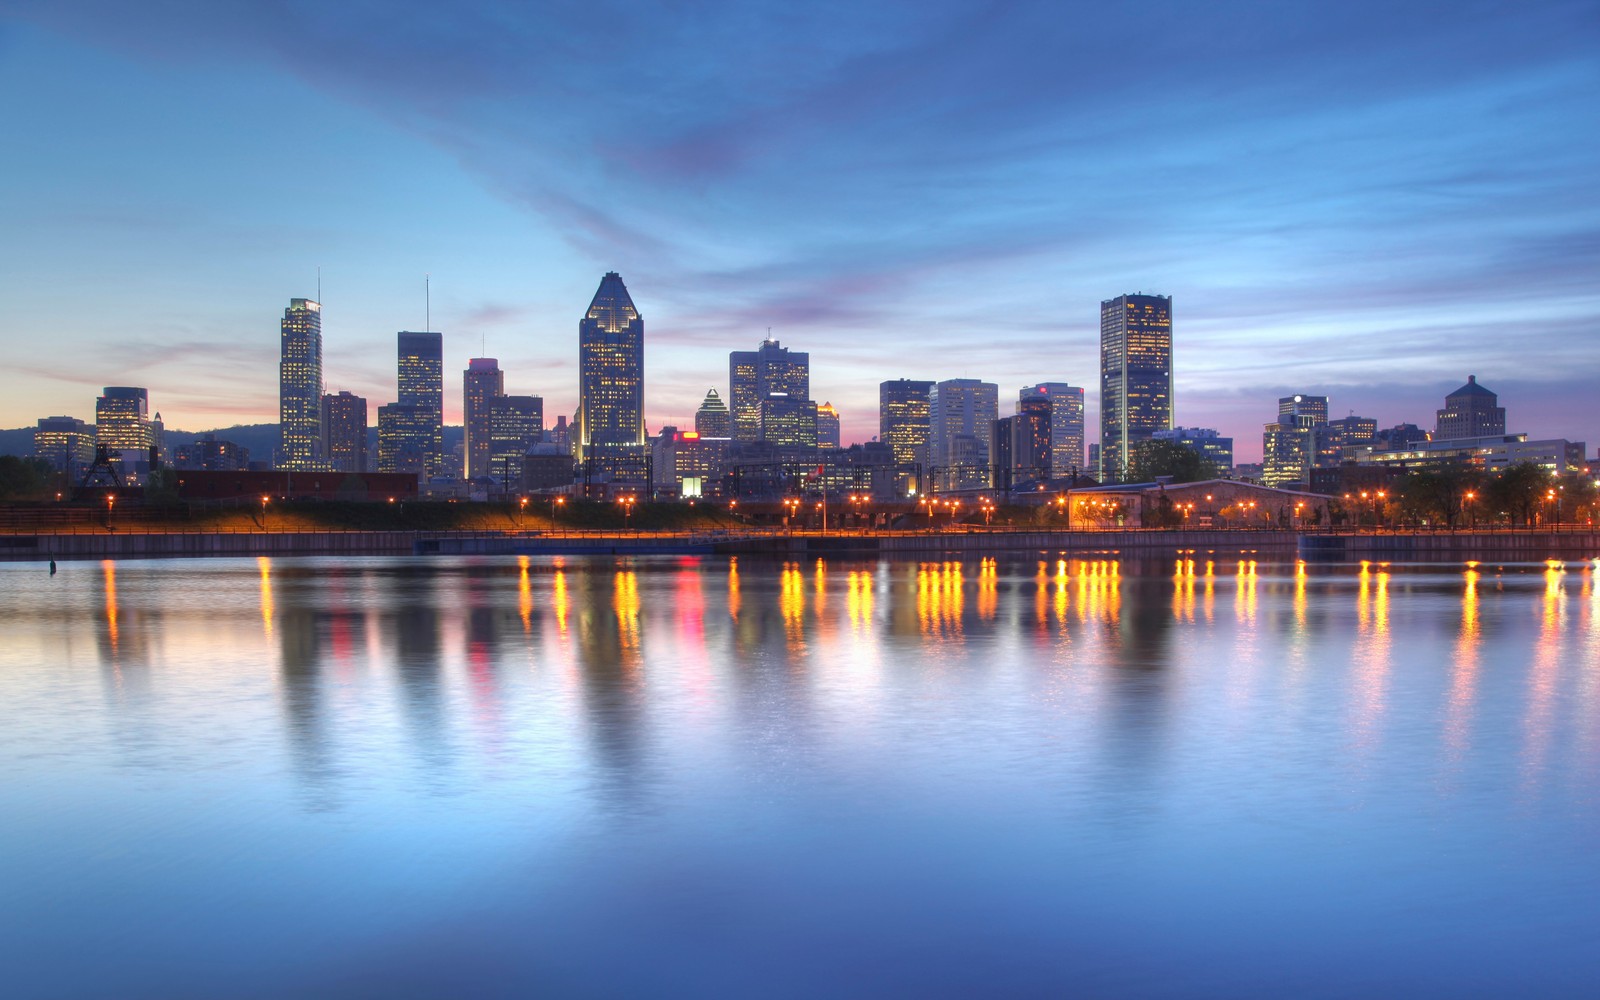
[1364, 200]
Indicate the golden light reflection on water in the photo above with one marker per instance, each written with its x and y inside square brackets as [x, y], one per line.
[1210, 603]
[625, 601]
[1371, 652]
[792, 604]
[524, 594]
[1300, 596]
[560, 601]
[988, 589]
[1183, 574]
[1464, 667]
[858, 600]
[113, 636]
[733, 589]
[940, 596]
[1041, 595]
[1244, 596]
[1539, 721]
[266, 594]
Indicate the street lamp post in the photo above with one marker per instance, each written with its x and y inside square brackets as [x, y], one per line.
[627, 510]
[522, 510]
[263, 513]
[1472, 511]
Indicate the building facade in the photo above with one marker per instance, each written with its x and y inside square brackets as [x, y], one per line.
[1136, 381]
[960, 413]
[421, 381]
[300, 386]
[482, 382]
[515, 424]
[713, 419]
[609, 437]
[1066, 424]
[1211, 445]
[67, 443]
[1289, 445]
[753, 376]
[122, 424]
[904, 425]
[344, 428]
[827, 426]
[1471, 411]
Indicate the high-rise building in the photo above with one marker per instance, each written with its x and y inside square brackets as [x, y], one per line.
[610, 421]
[753, 376]
[481, 382]
[421, 377]
[1471, 411]
[122, 423]
[827, 426]
[67, 443]
[713, 419]
[515, 425]
[1211, 445]
[961, 412]
[404, 439]
[787, 421]
[344, 428]
[209, 454]
[1002, 460]
[1336, 435]
[1066, 424]
[1030, 439]
[1288, 446]
[1136, 391]
[904, 425]
[300, 386]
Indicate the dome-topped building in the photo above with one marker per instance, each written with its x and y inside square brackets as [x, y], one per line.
[1471, 411]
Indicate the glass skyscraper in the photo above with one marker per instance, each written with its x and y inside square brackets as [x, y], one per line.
[1066, 424]
[481, 384]
[421, 377]
[1136, 392]
[300, 386]
[961, 412]
[753, 376]
[609, 443]
[344, 428]
[904, 425]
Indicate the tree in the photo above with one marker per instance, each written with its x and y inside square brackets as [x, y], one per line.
[23, 478]
[1436, 494]
[1517, 491]
[1154, 458]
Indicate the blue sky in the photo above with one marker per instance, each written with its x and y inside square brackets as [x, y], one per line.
[1369, 200]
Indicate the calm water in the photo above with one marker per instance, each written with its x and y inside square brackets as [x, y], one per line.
[389, 778]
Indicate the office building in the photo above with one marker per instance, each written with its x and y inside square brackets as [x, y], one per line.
[1001, 457]
[344, 429]
[122, 424]
[514, 424]
[67, 443]
[753, 376]
[1471, 411]
[1288, 445]
[481, 382]
[787, 421]
[208, 453]
[421, 382]
[961, 412]
[300, 386]
[1336, 436]
[1136, 390]
[1030, 443]
[609, 428]
[713, 419]
[404, 436]
[827, 426]
[904, 425]
[1211, 445]
[1066, 424]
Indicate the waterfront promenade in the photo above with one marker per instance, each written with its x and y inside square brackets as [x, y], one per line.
[947, 542]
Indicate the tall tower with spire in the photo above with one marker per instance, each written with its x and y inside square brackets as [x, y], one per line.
[609, 439]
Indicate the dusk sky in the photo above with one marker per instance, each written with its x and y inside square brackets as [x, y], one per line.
[1367, 200]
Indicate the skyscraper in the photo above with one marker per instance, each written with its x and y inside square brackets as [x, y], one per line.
[344, 428]
[1136, 394]
[1471, 411]
[1288, 447]
[904, 425]
[420, 361]
[753, 376]
[1066, 424]
[67, 443]
[712, 419]
[827, 426]
[788, 421]
[300, 386]
[961, 412]
[514, 424]
[481, 382]
[1031, 442]
[122, 423]
[610, 419]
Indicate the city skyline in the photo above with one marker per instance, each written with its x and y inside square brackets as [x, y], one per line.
[1408, 211]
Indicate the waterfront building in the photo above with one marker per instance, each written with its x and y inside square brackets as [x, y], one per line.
[344, 428]
[1136, 379]
[300, 386]
[1491, 452]
[753, 376]
[960, 413]
[482, 382]
[1030, 444]
[1471, 411]
[827, 426]
[513, 425]
[713, 419]
[122, 425]
[609, 432]
[904, 425]
[1211, 445]
[1066, 424]
[67, 443]
[1288, 446]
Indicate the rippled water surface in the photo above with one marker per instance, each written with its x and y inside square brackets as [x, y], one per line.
[385, 777]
